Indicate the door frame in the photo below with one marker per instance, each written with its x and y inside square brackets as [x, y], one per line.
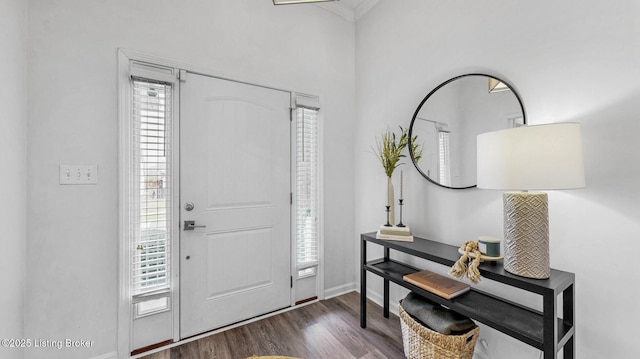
[125, 311]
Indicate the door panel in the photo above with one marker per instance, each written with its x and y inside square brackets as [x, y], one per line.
[235, 168]
[224, 277]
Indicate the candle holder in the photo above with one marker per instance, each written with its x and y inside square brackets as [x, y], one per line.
[401, 204]
[392, 232]
[388, 210]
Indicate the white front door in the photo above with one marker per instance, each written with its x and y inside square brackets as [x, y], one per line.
[235, 174]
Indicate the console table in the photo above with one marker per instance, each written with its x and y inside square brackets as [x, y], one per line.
[542, 330]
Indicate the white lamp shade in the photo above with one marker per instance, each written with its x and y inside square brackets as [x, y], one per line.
[542, 157]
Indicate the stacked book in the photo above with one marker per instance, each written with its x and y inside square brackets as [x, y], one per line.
[394, 233]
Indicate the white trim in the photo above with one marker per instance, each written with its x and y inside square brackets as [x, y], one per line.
[321, 139]
[378, 299]
[199, 70]
[125, 314]
[175, 200]
[293, 202]
[340, 290]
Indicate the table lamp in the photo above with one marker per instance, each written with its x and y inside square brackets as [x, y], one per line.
[541, 157]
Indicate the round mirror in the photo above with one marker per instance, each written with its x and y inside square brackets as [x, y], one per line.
[445, 125]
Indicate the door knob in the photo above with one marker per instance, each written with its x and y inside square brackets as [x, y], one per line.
[190, 225]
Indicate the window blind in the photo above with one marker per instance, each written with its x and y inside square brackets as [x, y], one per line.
[307, 187]
[151, 196]
[444, 161]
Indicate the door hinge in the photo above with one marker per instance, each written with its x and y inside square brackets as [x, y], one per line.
[291, 281]
[290, 197]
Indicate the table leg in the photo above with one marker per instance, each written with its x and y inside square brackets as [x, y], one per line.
[386, 287]
[568, 314]
[363, 284]
[550, 325]
[386, 298]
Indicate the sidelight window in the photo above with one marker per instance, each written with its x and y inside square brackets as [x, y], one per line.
[307, 189]
[150, 220]
[444, 158]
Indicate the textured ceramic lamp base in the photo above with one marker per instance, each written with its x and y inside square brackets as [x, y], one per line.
[526, 234]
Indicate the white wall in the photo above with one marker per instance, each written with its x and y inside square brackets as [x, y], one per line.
[13, 159]
[570, 61]
[72, 248]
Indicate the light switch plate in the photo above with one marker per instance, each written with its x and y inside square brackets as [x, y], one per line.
[78, 174]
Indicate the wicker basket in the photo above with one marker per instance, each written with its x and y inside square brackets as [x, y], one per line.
[421, 342]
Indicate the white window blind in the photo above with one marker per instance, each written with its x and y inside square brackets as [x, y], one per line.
[307, 188]
[444, 161]
[151, 198]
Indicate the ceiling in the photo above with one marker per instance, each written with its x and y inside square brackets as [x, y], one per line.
[351, 10]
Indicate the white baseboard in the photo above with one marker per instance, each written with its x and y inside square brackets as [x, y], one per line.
[339, 290]
[375, 297]
[112, 355]
[379, 300]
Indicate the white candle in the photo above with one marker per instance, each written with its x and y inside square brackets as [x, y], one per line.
[388, 191]
[401, 197]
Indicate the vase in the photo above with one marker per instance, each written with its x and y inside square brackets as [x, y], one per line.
[526, 234]
[391, 201]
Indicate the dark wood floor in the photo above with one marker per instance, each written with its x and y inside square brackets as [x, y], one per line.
[326, 329]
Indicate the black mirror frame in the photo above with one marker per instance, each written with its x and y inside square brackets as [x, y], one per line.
[415, 115]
